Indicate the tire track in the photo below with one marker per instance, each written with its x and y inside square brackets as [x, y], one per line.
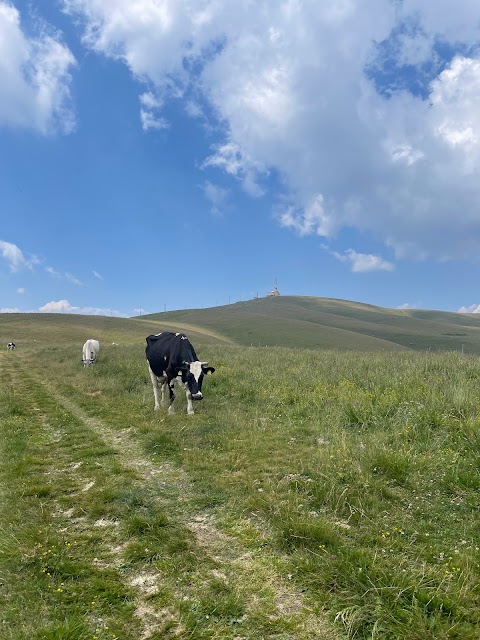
[238, 564]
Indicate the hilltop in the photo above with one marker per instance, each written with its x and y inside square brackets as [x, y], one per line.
[326, 323]
[289, 321]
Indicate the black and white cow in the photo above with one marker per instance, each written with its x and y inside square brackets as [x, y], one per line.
[172, 359]
[11, 346]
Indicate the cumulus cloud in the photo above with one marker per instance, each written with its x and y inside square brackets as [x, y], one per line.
[236, 162]
[364, 262]
[408, 305]
[59, 306]
[64, 306]
[149, 111]
[312, 218]
[366, 112]
[34, 76]
[9, 310]
[473, 308]
[15, 258]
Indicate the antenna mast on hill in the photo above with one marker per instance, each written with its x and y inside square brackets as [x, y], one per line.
[275, 292]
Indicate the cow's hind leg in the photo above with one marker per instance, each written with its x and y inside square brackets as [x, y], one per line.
[155, 388]
[164, 392]
[171, 410]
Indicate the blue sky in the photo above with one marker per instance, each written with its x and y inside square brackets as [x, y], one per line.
[183, 153]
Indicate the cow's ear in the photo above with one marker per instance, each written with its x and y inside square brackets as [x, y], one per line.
[208, 370]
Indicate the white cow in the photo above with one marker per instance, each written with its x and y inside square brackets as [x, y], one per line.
[89, 352]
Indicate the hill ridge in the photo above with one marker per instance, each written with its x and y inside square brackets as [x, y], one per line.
[285, 321]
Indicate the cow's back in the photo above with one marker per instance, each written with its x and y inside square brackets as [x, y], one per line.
[90, 349]
[167, 351]
[94, 344]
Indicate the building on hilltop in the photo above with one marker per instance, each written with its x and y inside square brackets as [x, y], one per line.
[275, 292]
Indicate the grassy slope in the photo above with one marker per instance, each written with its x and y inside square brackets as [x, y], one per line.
[353, 494]
[327, 323]
[24, 328]
[301, 322]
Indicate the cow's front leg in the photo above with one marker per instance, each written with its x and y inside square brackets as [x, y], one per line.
[190, 410]
[171, 410]
[155, 388]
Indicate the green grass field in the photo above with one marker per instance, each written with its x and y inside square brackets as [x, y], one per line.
[315, 494]
[324, 323]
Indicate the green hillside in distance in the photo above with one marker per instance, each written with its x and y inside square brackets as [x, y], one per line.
[326, 323]
[288, 321]
[61, 328]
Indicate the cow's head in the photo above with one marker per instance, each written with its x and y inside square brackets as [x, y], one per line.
[192, 374]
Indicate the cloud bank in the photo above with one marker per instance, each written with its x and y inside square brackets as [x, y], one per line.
[473, 308]
[64, 306]
[34, 76]
[367, 112]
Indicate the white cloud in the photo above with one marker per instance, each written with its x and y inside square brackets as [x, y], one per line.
[9, 310]
[64, 306]
[17, 261]
[473, 308]
[34, 76]
[149, 115]
[313, 218]
[237, 163]
[408, 305]
[59, 306]
[193, 109]
[67, 276]
[15, 258]
[73, 279]
[289, 84]
[52, 272]
[217, 196]
[364, 262]
[97, 275]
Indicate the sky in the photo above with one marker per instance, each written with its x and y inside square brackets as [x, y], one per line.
[170, 154]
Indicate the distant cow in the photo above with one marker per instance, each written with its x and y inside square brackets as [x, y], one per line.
[11, 346]
[172, 358]
[89, 352]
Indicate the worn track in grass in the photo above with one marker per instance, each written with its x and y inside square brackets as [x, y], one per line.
[237, 566]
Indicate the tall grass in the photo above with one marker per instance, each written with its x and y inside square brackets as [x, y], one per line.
[355, 476]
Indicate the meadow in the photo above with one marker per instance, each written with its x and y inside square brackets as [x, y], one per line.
[314, 494]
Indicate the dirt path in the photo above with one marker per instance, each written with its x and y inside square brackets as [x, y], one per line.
[236, 565]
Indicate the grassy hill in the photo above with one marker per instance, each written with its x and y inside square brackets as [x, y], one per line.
[60, 327]
[314, 495]
[287, 321]
[320, 323]
[339, 505]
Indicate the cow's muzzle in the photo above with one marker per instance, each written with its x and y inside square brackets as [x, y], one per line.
[197, 396]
